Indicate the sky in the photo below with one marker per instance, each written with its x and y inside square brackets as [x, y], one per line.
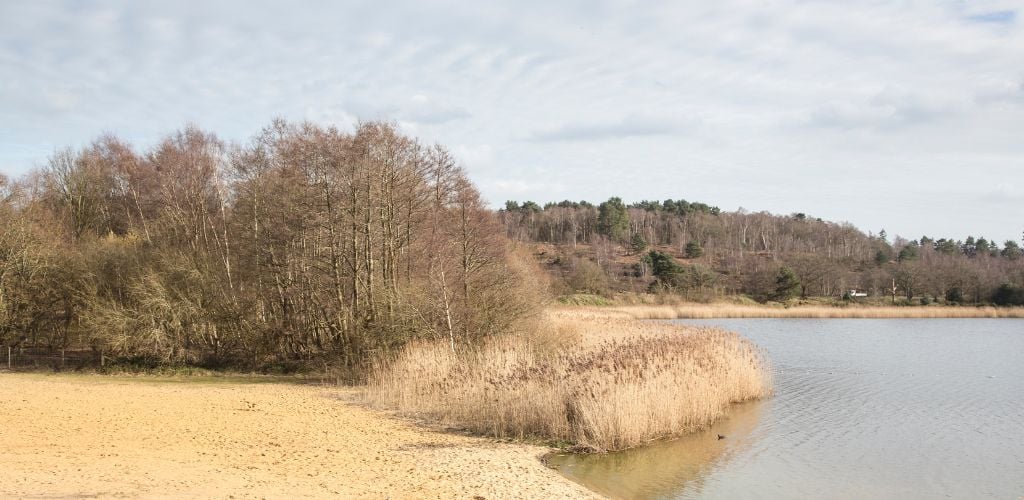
[906, 116]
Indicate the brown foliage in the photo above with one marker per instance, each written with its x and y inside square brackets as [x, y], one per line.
[307, 244]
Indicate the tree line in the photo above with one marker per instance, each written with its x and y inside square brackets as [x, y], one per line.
[306, 244]
[612, 246]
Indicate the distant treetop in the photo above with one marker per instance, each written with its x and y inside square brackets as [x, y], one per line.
[677, 207]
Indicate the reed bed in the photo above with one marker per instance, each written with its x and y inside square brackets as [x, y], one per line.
[597, 383]
[710, 311]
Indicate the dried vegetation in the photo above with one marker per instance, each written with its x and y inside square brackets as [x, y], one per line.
[708, 311]
[595, 382]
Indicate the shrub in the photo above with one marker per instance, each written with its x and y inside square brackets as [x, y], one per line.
[955, 295]
[588, 277]
[693, 250]
[1009, 295]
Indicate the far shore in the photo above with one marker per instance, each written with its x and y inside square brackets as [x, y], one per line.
[728, 310]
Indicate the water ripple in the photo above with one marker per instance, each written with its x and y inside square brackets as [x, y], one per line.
[863, 409]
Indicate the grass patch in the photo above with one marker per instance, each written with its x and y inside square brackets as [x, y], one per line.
[584, 299]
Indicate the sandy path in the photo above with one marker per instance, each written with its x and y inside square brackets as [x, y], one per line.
[91, 436]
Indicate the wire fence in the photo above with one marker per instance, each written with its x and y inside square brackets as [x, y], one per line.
[37, 358]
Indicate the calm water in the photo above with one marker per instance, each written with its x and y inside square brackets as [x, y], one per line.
[904, 408]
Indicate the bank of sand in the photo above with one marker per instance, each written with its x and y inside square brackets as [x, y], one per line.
[93, 436]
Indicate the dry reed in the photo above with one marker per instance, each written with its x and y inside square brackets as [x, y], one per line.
[709, 311]
[597, 382]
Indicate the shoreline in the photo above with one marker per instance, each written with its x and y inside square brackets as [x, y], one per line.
[725, 310]
[75, 434]
[109, 436]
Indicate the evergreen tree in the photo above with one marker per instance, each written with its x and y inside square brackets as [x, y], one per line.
[664, 268]
[787, 285]
[882, 256]
[1011, 250]
[638, 243]
[1009, 295]
[970, 247]
[908, 252]
[530, 206]
[613, 219]
[948, 247]
[693, 250]
[982, 246]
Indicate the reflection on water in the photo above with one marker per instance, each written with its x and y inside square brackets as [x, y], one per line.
[862, 409]
[665, 469]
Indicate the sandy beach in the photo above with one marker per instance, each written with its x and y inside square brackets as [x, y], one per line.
[101, 437]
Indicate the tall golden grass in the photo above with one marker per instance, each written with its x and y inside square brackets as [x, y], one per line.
[708, 311]
[599, 383]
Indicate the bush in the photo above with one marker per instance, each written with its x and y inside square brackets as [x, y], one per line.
[1009, 295]
[955, 295]
[587, 276]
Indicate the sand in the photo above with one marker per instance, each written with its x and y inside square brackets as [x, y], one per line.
[95, 436]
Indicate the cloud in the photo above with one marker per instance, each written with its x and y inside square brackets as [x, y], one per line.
[521, 187]
[622, 128]
[1004, 192]
[884, 110]
[331, 115]
[61, 98]
[864, 97]
[423, 109]
[1001, 92]
[998, 16]
[418, 109]
[481, 155]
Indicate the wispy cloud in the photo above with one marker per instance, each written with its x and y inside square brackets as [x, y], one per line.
[423, 109]
[883, 111]
[626, 127]
[538, 96]
[518, 188]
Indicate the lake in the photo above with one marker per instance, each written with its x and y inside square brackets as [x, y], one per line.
[863, 408]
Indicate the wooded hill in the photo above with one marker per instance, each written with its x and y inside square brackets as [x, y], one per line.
[699, 251]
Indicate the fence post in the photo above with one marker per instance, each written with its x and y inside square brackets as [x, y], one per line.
[8, 357]
[62, 358]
